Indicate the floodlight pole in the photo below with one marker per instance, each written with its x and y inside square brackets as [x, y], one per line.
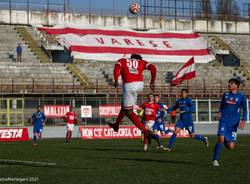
[175, 14]
[89, 11]
[145, 14]
[28, 11]
[10, 3]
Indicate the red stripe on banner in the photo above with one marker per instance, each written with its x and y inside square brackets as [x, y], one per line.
[186, 76]
[187, 64]
[117, 33]
[116, 50]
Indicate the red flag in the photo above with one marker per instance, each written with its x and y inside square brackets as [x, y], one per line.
[185, 73]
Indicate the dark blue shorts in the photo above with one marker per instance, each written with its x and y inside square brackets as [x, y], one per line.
[37, 129]
[189, 126]
[159, 126]
[229, 132]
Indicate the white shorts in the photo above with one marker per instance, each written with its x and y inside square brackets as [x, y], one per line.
[150, 124]
[70, 127]
[130, 93]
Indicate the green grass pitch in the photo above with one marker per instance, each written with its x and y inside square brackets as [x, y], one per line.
[125, 162]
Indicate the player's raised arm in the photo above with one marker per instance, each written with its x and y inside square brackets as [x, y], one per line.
[117, 72]
[174, 107]
[153, 70]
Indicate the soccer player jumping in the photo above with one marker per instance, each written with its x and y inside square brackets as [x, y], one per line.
[185, 106]
[131, 70]
[229, 113]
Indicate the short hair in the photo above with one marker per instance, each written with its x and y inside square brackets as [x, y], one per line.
[136, 56]
[184, 89]
[151, 94]
[235, 81]
[157, 95]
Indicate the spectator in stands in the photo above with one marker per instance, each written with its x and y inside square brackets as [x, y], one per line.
[173, 117]
[19, 51]
[230, 118]
[71, 119]
[38, 121]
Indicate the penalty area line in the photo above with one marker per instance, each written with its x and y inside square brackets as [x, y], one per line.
[24, 162]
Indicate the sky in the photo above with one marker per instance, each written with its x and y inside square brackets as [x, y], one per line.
[75, 5]
[103, 7]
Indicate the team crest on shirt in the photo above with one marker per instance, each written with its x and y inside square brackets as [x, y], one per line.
[231, 100]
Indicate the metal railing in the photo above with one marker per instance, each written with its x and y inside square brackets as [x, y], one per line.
[206, 90]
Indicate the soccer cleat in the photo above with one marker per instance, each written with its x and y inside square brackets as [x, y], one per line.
[145, 147]
[168, 149]
[216, 163]
[163, 148]
[206, 142]
[34, 144]
[115, 127]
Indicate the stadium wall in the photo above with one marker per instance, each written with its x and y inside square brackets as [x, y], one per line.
[60, 131]
[133, 22]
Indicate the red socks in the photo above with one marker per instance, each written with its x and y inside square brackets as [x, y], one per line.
[120, 117]
[134, 118]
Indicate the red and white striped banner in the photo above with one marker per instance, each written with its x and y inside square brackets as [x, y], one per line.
[111, 44]
[187, 72]
[125, 132]
[14, 134]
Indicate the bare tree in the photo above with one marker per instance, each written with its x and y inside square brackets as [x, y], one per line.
[206, 8]
[228, 10]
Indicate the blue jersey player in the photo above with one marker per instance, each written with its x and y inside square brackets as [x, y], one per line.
[38, 121]
[159, 125]
[229, 118]
[185, 106]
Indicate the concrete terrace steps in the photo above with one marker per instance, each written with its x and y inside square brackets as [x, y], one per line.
[8, 42]
[35, 48]
[35, 73]
[76, 72]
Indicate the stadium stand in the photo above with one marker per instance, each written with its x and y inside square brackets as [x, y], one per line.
[9, 41]
[99, 74]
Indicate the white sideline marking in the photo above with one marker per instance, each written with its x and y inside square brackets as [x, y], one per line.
[26, 162]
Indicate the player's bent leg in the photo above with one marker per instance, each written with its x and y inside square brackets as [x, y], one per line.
[200, 138]
[120, 117]
[172, 139]
[134, 118]
[115, 125]
[231, 145]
